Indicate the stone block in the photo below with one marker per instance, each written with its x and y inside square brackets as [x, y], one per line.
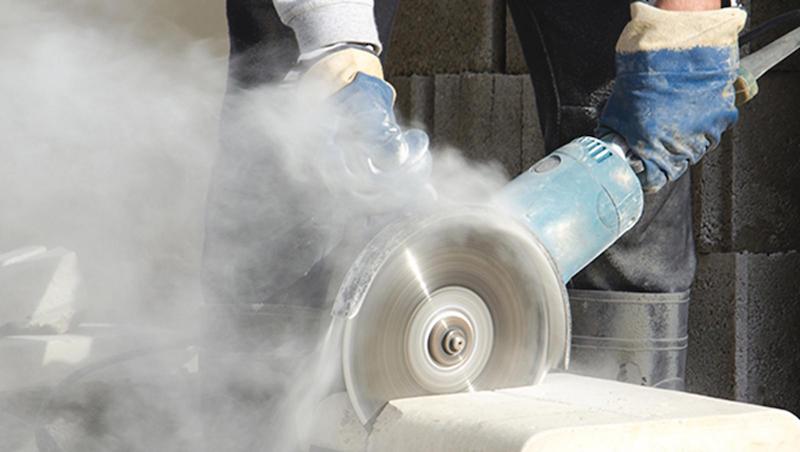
[765, 193]
[743, 333]
[773, 336]
[712, 200]
[481, 115]
[39, 289]
[447, 36]
[711, 361]
[533, 148]
[414, 105]
[746, 195]
[515, 60]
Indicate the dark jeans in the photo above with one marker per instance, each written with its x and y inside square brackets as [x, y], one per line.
[569, 47]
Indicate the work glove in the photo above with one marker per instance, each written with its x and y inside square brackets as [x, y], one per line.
[673, 96]
[372, 153]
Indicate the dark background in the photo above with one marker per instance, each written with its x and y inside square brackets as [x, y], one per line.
[459, 72]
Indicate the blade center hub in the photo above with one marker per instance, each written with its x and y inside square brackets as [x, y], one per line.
[450, 340]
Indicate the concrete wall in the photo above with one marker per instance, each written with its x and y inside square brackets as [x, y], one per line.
[459, 72]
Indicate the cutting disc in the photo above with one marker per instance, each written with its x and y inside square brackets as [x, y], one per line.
[455, 302]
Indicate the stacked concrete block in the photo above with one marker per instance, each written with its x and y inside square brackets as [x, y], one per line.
[711, 366]
[414, 104]
[745, 311]
[515, 60]
[712, 199]
[747, 195]
[766, 195]
[743, 328]
[447, 36]
[39, 290]
[533, 148]
[487, 117]
[481, 115]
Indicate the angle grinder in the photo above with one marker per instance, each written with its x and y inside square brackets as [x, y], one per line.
[475, 299]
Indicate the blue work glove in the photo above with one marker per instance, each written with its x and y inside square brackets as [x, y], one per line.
[377, 151]
[372, 155]
[673, 96]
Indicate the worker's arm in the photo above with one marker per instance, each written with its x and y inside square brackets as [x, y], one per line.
[322, 23]
[689, 5]
[673, 95]
[339, 57]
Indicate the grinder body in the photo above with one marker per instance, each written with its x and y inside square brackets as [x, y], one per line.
[577, 201]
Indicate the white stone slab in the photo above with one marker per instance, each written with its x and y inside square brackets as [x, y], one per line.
[43, 360]
[39, 288]
[573, 413]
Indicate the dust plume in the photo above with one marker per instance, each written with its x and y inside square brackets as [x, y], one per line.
[110, 130]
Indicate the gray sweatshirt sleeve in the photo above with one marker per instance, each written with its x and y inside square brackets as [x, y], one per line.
[320, 23]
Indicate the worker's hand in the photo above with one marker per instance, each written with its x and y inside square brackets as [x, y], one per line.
[373, 151]
[673, 96]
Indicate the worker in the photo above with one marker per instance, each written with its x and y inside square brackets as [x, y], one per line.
[673, 63]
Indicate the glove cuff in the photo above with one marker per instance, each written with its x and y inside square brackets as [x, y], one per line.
[339, 69]
[653, 29]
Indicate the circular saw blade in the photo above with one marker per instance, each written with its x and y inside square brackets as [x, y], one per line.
[459, 302]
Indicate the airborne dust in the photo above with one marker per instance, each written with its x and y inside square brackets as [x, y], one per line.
[110, 130]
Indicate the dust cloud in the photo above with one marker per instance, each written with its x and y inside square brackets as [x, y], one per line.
[110, 133]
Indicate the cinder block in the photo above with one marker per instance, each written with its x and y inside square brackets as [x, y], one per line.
[414, 103]
[482, 115]
[40, 290]
[447, 36]
[746, 194]
[773, 336]
[764, 10]
[533, 148]
[765, 193]
[743, 335]
[515, 60]
[712, 199]
[716, 295]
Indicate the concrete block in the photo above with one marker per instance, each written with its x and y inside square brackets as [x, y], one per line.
[447, 36]
[773, 337]
[717, 293]
[37, 361]
[571, 413]
[481, 115]
[743, 335]
[515, 60]
[533, 148]
[762, 11]
[39, 289]
[414, 103]
[765, 193]
[746, 195]
[712, 200]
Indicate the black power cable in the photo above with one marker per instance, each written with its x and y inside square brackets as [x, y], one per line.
[787, 20]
